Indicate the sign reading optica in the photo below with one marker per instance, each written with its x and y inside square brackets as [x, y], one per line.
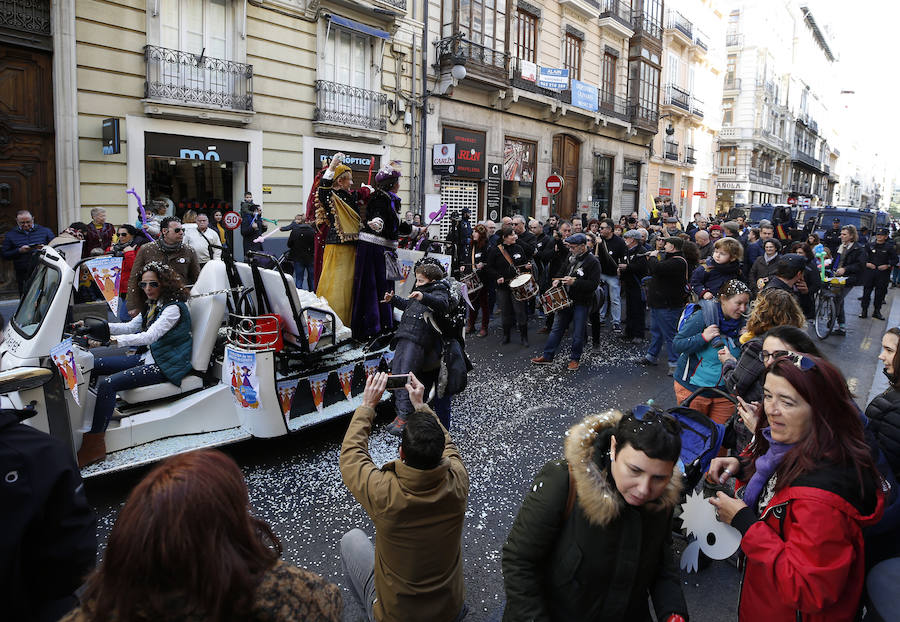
[584, 95]
[554, 79]
[554, 184]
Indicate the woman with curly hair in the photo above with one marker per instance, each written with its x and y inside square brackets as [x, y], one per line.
[185, 547]
[162, 330]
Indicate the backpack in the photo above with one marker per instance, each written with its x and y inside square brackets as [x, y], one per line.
[708, 307]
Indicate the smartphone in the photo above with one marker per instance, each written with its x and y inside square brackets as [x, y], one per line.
[398, 381]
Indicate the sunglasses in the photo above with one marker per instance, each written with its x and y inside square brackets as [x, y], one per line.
[177, 229]
[146, 284]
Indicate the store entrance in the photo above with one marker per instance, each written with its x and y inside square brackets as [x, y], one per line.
[184, 185]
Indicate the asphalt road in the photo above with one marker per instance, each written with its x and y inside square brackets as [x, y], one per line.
[507, 424]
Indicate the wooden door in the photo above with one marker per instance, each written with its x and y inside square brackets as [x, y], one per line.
[27, 154]
[565, 162]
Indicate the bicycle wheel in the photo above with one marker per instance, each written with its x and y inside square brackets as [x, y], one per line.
[826, 313]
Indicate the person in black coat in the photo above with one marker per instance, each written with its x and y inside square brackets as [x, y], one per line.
[666, 295]
[526, 238]
[301, 247]
[849, 261]
[581, 278]
[832, 237]
[505, 262]
[611, 252]
[553, 255]
[631, 274]
[252, 227]
[49, 539]
[882, 257]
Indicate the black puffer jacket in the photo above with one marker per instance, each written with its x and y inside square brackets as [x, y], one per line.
[884, 422]
[414, 324]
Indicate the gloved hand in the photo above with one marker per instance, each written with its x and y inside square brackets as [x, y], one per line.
[335, 161]
[376, 224]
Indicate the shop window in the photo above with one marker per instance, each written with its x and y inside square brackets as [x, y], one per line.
[519, 162]
[573, 55]
[666, 183]
[526, 36]
[602, 189]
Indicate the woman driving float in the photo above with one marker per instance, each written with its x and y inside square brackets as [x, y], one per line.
[163, 325]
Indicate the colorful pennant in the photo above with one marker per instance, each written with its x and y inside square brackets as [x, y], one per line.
[317, 386]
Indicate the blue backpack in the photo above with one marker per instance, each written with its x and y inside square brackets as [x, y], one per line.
[708, 307]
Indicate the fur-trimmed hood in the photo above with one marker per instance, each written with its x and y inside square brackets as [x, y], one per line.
[598, 498]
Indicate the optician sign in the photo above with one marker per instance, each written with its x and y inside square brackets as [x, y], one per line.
[554, 79]
[584, 95]
[356, 161]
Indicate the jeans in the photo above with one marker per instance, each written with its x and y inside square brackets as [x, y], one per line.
[614, 300]
[841, 319]
[441, 407]
[301, 270]
[663, 326]
[895, 275]
[577, 314]
[123, 310]
[121, 372]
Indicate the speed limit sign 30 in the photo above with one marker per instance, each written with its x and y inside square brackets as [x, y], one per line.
[231, 220]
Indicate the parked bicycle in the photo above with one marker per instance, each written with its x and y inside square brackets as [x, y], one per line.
[827, 301]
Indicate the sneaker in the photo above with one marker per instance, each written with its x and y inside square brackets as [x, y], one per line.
[865, 314]
[574, 365]
[646, 360]
[482, 333]
[396, 426]
[540, 360]
[617, 328]
[840, 331]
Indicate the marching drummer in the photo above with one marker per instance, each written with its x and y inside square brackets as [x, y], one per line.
[581, 279]
[505, 262]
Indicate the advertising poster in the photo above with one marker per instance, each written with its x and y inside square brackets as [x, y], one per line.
[106, 272]
[64, 358]
[345, 375]
[584, 95]
[317, 386]
[241, 369]
[553, 79]
[286, 390]
[519, 158]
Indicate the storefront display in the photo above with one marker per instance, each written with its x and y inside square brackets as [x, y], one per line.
[602, 189]
[519, 160]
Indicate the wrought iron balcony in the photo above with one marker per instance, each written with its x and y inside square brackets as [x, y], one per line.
[482, 63]
[677, 21]
[347, 105]
[734, 40]
[644, 116]
[670, 150]
[676, 96]
[700, 40]
[647, 24]
[173, 75]
[613, 106]
[618, 10]
[400, 4]
[805, 158]
[697, 107]
[689, 156]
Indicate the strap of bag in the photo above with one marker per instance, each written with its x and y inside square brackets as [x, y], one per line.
[507, 257]
[570, 500]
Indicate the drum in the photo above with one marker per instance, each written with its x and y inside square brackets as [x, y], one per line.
[555, 299]
[524, 287]
[472, 282]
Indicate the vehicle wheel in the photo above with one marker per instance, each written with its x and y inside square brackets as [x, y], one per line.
[825, 316]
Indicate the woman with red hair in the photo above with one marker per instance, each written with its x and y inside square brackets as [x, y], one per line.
[809, 487]
[186, 548]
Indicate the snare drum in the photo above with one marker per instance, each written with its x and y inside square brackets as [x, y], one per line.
[555, 299]
[472, 282]
[524, 287]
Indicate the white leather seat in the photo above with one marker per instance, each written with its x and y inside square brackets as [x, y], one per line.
[207, 313]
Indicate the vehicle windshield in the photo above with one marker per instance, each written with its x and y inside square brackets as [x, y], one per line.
[857, 219]
[39, 292]
[760, 212]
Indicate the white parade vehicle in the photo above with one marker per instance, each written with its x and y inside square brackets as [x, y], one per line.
[268, 359]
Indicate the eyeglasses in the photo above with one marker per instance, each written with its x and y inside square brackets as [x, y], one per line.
[604, 227]
[801, 362]
[764, 356]
[123, 234]
[146, 284]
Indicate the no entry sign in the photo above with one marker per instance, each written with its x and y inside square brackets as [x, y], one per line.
[231, 220]
[554, 184]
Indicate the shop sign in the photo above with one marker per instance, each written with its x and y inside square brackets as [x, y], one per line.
[528, 70]
[553, 79]
[231, 220]
[701, 194]
[443, 159]
[194, 148]
[519, 159]
[363, 162]
[554, 184]
[267, 189]
[665, 192]
[494, 187]
[728, 185]
[584, 95]
[470, 151]
[805, 201]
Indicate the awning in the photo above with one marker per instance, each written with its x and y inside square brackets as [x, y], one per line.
[359, 27]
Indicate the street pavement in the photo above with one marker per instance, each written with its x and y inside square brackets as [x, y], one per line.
[510, 421]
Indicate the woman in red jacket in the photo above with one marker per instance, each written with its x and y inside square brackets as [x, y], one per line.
[809, 487]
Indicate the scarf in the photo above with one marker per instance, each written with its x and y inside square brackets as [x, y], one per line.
[728, 326]
[765, 467]
[169, 248]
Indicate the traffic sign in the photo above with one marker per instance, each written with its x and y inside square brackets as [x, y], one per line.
[231, 220]
[554, 184]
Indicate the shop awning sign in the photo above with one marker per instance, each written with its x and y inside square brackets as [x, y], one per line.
[584, 95]
[195, 148]
[443, 158]
[553, 78]
[470, 151]
[665, 192]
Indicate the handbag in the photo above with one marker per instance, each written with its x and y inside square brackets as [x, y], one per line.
[392, 271]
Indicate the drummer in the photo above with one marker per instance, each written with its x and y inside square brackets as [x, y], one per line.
[471, 272]
[581, 279]
[505, 261]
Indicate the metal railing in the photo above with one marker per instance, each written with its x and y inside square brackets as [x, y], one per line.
[197, 79]
[700, 39]
[618, 10]
[689, 155]
[343, 104]
[676, 96]
[26, 16]
[805, 158]
[648, 25]
[531, 86]
[734, 40]
[670, 150]
[643, 115]
[677, 21]
[613, 106]
[727, 171]
[697, 107]
[456, 49]
[732, 83]
[400, 4]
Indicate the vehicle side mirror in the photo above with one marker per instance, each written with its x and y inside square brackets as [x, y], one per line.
[24, 378]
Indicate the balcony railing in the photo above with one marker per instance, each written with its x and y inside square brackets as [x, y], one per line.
[700, 40]
[618, 10]
[670, 151]
[728, 132]
[400, 4]
[732, 83]
[697, 107]
[644, 116]
[689, 156]
[531, 86]
[807, 159]
[677, 21]
[480, 61]
[734, 40]
[613, 106]
[347, 105]
[647, 24]
[184, 77]
[727, 171]
[676, 96]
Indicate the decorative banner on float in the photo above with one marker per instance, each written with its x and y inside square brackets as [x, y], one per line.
[106, 272]
[241, 369]
[64, 358]
[345, 375]
[286, 390]
[698, 517]
[317, 386]
[316, 326]
[371, 366]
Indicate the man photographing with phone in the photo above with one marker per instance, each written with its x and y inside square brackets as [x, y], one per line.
[418, 502]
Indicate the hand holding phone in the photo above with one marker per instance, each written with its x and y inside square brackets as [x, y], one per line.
[397, 381]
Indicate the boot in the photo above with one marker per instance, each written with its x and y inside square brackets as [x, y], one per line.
[595, 333]
[507, 332]
[523, 335]
[864, 314]
[93, 448]
[877, 315]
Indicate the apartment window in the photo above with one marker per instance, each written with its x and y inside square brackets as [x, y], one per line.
[526, 36]
[674, 70]
[644, 84]
[727, 111]
[481, 21]
[573, 56]
[608, 78]
[602, 187]
[347, 58]
[196, 26]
